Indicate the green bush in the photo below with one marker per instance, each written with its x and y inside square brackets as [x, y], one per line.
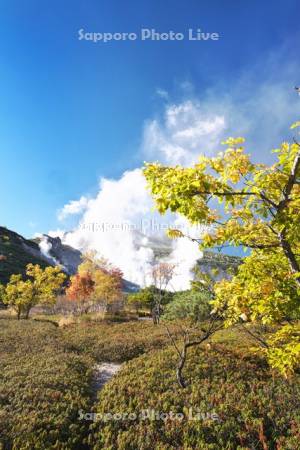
[192, 304]
[147, 297]
[115, 342]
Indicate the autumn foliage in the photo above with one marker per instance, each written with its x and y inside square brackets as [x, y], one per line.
[80, 290]
[40, 288]
[259, 207]
[97, 284]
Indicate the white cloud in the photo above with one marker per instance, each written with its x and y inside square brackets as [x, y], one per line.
[57, 233]
[184, 129]
[108, 224]
[261, 110]
[120, 225]
[73, 207]
[162, 93]
[184, 255]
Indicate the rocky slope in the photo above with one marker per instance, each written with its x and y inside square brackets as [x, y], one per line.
[58, 253]
[16, 252]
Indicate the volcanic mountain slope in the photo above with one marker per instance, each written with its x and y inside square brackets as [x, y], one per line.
[58, 253]
[16, 252]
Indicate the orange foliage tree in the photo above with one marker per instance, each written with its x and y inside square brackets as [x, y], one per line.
[80, 291]
[96, 283]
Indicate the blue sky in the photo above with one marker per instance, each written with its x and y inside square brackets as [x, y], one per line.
[73, 111]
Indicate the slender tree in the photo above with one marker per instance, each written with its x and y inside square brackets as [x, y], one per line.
[162, 274]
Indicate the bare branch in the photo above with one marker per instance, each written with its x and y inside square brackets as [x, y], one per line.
[254, 336]
[172, 339]
[292, 179]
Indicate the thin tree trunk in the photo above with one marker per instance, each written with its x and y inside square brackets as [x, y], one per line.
[212, 329]
[287, 249]
[180, 367]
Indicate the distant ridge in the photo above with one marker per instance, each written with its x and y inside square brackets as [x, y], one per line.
[16, 252]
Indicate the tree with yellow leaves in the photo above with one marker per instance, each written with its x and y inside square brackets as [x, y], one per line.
[40, 287]
[259, 210]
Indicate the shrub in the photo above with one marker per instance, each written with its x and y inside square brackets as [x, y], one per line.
[253, 410]
[193, 305]
[43, 385]
[115, 342]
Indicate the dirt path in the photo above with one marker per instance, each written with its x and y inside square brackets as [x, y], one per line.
[103, 373]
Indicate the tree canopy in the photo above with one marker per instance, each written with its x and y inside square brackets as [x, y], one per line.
[41, 287]
[259, 207]
[97, 282]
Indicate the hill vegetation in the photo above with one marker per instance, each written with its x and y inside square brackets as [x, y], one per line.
[240, 403]
[16, 253]
[46, 377]
[232, 402]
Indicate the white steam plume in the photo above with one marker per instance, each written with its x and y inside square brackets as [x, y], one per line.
[260, 109]
[119, 223]
[45, 247]
[120, 226]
